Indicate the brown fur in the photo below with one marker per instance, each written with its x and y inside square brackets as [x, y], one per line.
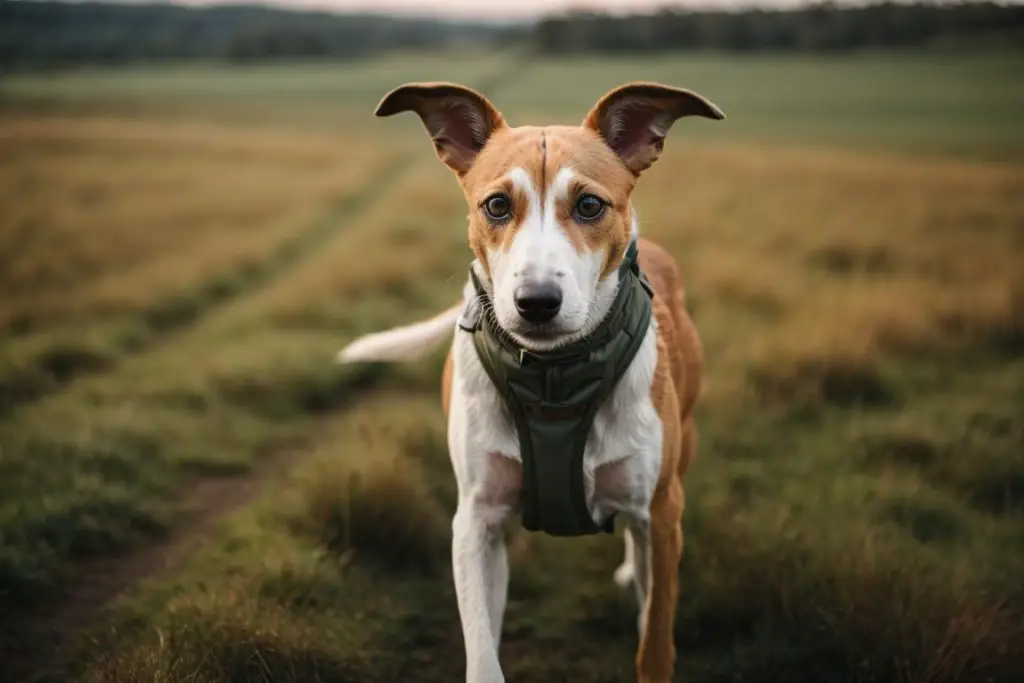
[674, 393]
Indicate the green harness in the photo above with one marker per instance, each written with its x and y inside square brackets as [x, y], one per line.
[553, 397]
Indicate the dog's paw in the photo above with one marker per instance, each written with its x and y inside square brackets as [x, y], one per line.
[623, 576]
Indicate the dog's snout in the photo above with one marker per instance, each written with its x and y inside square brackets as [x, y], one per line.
[538, 303]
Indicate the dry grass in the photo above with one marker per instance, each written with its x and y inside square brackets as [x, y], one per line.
[373, 501]
[417, 229]
[836, 255]
[122, 231]
[114, 216]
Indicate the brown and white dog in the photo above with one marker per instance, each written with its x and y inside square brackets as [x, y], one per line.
[549, 223]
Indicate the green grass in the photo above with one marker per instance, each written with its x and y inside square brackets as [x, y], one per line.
[852, 258]
[958, 103]
[325, 96]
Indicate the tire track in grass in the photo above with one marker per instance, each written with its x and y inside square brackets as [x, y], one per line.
[29, 641]
[56, 368]
[40, 653]
[35, 644]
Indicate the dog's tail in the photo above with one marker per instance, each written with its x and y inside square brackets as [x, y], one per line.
[403, 343]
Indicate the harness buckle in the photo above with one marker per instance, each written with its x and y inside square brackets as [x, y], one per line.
[553, 413]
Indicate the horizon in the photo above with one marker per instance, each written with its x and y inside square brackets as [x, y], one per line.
[521, 10]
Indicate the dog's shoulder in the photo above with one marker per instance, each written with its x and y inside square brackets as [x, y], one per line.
[678, 335]
[661, 268]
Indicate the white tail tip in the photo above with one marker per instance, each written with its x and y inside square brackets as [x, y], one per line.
[408, 342]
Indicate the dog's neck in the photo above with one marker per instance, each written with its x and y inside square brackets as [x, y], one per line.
[604, 296]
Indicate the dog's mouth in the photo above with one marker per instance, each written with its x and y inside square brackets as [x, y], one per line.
[533, 331]
[540, 331]
[541, 336]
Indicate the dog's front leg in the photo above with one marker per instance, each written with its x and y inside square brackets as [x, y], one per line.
[481, 582]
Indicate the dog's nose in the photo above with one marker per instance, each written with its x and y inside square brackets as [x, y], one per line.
[538, 303]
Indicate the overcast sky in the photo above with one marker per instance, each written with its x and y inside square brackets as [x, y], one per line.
[502, 9]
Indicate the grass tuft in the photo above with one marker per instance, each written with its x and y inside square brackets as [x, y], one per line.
[22, 379]
[927, 523]
[847, 260]
[865, 612]
[234, 639]
[841, 381]
[284, 394]
[381, 509]
[901, 447]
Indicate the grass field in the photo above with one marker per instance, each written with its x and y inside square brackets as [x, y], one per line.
[191, 491]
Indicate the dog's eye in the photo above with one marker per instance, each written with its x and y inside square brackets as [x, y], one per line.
[588, 208]
[498, 207]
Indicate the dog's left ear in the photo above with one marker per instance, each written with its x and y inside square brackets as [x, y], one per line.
[458, 119]
[633, 119]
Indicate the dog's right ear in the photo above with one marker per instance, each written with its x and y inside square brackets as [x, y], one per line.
[458, 119]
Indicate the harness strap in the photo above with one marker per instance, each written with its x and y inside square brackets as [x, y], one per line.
[553, 397]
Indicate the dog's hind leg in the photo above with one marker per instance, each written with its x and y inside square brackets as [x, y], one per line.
[656, 656]
[625, 572]
[636, 567]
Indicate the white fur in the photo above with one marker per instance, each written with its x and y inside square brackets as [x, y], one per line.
[623, 453]
[542, 253]
[402, 343]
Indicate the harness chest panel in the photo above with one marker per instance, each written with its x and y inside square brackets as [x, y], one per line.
[554, 396]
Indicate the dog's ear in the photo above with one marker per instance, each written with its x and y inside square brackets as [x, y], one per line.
[633, 119]
[458, 119]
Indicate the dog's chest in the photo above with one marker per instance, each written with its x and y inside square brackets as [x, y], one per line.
[622, 457]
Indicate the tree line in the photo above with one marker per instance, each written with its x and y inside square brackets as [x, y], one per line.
[824, 26]
[44, 33]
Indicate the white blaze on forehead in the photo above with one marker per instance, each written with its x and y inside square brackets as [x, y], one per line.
[541, 249]
[522, 181]
[559, 188]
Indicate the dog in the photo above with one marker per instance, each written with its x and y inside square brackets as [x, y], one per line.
[555, 239]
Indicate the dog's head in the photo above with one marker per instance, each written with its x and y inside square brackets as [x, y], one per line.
[550, 215]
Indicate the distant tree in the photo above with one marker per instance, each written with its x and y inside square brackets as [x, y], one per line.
[822, 26]
[52, 33]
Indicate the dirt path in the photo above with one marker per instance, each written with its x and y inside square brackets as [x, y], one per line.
[38, 651]
[29, 649]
